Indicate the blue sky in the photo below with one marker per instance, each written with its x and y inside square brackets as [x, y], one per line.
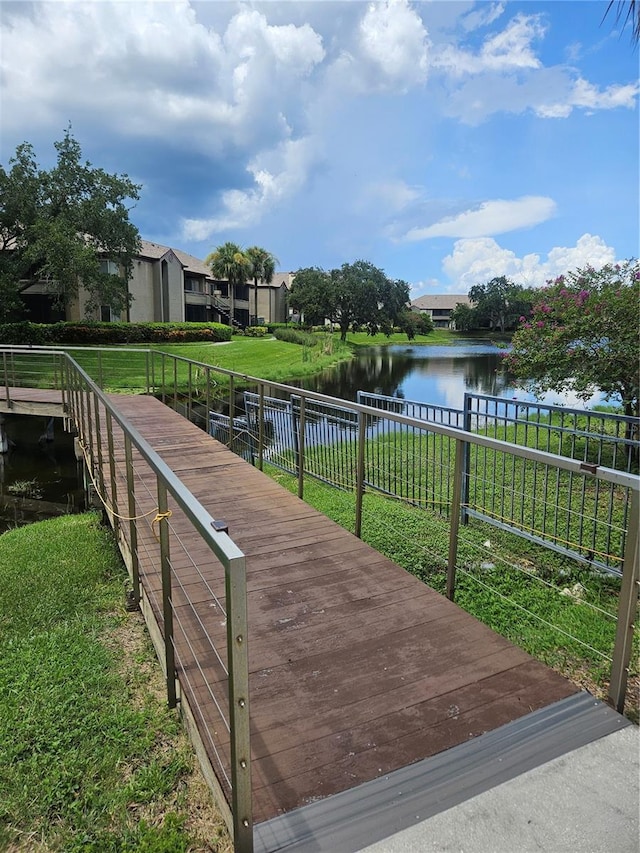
[445, 142]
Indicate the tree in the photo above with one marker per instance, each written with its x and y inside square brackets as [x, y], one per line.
[628, 13]
[464, 318]
[364, 296]
[311, 295]
[357, 294]
[414, 323]
[583, 335]
[230, 263]
[263, 265]
[56, 226]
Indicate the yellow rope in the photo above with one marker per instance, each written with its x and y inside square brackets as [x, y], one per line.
[109, 508]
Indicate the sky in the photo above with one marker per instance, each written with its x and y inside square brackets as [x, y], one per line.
[446, 142]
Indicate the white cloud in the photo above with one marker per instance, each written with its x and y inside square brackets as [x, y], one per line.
[477, 261]
[482, 16]
[491, 217]
[277, 176]
[389, 54]
[586, 96]
[508, 50]
[150, 69]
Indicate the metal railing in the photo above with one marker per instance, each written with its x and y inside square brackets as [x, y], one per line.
[165, 534]
[425, 462]
[430, 464]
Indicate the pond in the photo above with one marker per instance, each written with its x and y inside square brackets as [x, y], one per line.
[439, 375]
[39, 474]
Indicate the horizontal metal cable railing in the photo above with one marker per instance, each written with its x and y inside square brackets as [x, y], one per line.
[172, 545]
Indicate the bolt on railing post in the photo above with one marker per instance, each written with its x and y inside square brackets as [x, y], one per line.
[362, 428]
[454, 520]
[627, 608]
[301, 430]
[112, 476]
[261, 428]
[239, 719]
[167, 605]
[133, 529]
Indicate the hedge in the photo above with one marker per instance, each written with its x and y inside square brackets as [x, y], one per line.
[92, 333]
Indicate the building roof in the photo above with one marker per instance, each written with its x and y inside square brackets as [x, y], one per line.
[440, 301]
[155, 251]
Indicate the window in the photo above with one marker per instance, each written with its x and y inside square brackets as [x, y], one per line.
[193, 285]
[108, 315]
[109, 267]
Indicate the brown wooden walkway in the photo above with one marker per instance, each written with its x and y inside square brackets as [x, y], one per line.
[357, 668]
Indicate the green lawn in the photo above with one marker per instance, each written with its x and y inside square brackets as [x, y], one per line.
[91, 758]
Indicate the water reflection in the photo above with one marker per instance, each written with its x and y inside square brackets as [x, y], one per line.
[439, 375]
[39, 473]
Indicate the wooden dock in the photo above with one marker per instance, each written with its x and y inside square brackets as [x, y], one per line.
[357, 668]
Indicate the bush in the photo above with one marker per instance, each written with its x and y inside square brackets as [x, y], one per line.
[295, 336]
[100, 334]
[256, 331]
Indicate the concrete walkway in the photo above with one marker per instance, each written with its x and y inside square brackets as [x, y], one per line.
[584, 801]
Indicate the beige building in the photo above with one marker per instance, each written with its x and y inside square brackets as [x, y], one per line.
[440, 307]
[168, 285]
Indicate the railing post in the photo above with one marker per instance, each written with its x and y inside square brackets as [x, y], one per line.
[208, 400]
[232, 404]
[362, 430]
[238, 666]
[454, 520]
[167, 605]
[175, 383]
[115, 521]
[162, 373]
[189, 391]
[100, 373]
[261, 428]
[627, 609]
[466, 472]
[5, 371]
[133, 529]
[100, 471]
[301, 429]
[146, 371]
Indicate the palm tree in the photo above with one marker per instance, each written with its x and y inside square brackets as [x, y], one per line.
[627, 11]
[231, 263]
[264, 267]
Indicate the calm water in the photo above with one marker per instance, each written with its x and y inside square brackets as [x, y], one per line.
[40, 477]
[429, 374]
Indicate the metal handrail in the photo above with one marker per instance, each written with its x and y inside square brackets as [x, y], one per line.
[82, 401]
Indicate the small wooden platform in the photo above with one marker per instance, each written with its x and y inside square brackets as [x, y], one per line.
[357, 668]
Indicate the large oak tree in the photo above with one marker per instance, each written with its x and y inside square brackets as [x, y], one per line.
[57, 225]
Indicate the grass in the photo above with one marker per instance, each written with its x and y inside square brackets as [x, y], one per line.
[91, 758]
[553, 608]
